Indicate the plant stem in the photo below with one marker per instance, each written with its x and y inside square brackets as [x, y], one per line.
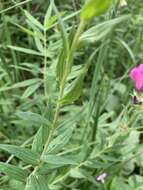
[45, 65]
[104, 185]
[54, 121]
[69, 61]
[14, 6]
[63, 83]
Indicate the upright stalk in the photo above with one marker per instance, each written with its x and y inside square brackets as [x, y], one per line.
[45, 64]
[104, 186]
[69, 61]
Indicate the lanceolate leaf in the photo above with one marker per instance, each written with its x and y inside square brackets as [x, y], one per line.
[31, 89]
[62, 139]
[58, 160]
[63, 30]
[26, 83]
[33, 20]
[40, 139]
[61, 66]
[48, 15]
[37, 182]
[29, 32]
[61, 63]
[33, 118]
[75, 88]
[24, 154]
[25, 50]
[74, 91]
[38, 42]
[99, 31]
[13, 171]
[21, 84]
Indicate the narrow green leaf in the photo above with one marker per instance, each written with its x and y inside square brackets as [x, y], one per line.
[52, 21]
[48, 14]
[24, 154]
[99, 31]
[75, 88]
[34, 118]
[62, 58]
[29, 32]
[14, 6]
[37, 182]
[62, 139]
[38, 43]
[76, 173]
[26, 83]
[13, 171]
[61, 66]
[36, 30]
[129, 50]
[33, 20]
[72, 34]
[101, 57]
[63, 30]
[30, 90]
[39, 139]
[25, 50]
[74, 91]
[21, 84]
[58, 160]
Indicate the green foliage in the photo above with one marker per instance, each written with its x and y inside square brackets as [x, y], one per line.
[36, 182]
[22, 153]
[13, 171]
[65, 107]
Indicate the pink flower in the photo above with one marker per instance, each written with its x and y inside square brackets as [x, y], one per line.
[136, 74]
[101, 177]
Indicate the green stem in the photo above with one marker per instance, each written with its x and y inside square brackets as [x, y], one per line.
[45, 64]
[104, 185]
[54, 121]
[63, 83]
[62, 87]
[14, 6]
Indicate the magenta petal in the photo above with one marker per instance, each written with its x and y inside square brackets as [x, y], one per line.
[137, 78]
[139, 85]
[141, 68]
[134, 74]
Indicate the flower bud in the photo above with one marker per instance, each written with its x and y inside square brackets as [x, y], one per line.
[136, 75]
[94, 8]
